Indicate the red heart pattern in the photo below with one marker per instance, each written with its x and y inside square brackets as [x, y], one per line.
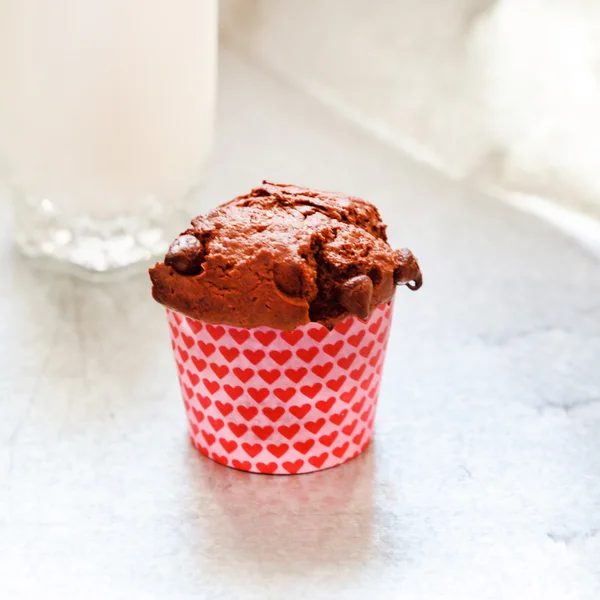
[277, 402]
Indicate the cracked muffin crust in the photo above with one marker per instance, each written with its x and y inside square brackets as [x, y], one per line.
[282, 256]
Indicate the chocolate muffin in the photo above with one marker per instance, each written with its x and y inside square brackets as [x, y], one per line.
[283, 256]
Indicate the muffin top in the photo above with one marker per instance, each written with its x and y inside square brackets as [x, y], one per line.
[283, 256]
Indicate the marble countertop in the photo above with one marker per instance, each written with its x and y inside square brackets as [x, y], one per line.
[483, 481]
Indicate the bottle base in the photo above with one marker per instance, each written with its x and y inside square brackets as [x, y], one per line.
[92, 249]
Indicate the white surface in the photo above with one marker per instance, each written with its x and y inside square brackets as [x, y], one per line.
[496, 92]
[484, 479]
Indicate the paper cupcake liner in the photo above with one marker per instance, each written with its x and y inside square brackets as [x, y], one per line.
[269, 401]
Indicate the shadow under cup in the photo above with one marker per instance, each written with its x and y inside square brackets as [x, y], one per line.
[269, 401]
[289, 525]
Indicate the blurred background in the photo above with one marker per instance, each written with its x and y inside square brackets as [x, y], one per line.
[107, 113]
[502, 93]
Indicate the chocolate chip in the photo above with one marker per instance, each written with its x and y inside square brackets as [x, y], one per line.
[356, 295]
[407, 270]
[289, 279]
[415, 283]
[185, 255]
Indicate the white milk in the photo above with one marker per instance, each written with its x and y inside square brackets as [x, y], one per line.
[106, 103]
